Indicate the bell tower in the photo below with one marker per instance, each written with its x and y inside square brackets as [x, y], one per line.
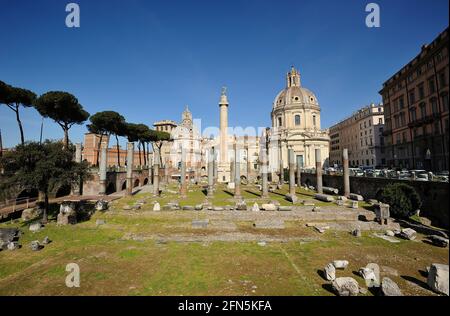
[293, 78]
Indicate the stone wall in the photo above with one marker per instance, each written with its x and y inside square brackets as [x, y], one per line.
[115, 181]
[434, 195]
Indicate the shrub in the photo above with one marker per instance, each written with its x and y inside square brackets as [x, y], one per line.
[402, 198]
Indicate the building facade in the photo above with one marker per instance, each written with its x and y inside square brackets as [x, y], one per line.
[416, 110]
[362, 135]
[296, 124]
[187, 136]
[91, 152]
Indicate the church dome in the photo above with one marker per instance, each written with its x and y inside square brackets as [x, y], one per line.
[294, 94]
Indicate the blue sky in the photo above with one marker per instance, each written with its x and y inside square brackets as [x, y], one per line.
[148, 59]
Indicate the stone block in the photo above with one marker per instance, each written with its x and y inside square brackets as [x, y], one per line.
[200, 223]
[329, 190]
[35, 227]
[291, 198]
[438, 278]
[345, 286]
[356, 197]
[269, 207]
[31, 213]
[390, 288]
[269, 224]
[324, 197]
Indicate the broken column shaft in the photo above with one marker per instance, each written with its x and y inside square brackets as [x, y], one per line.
[318, 171]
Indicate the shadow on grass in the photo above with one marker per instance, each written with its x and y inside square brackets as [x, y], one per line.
[305, 194]
[423, 273]
[415, 281]
[328, 287]
[426, 241]
[136, 192]
[253, 193]
[376, 291]
[229, 193]
[321, 273]
[278, 193]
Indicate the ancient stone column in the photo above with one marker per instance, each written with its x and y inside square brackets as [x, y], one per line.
[237, 172]
[291, 173]
[281, 179]
[215, 169]
[249, 164]
[102, 168]
[156, 172]
[77, 188]
[299, 174]
[78, 152]
[232, 170]
[264, 171]
[211, 173]
[318, 171]
[166, 170]
[346, 173]
[223, 105]
[183, 173]
[130, 162]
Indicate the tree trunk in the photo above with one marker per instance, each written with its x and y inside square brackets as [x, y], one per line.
[44, 215]
[22, 138]
[66, 137]
[98, 149]
[118, 153]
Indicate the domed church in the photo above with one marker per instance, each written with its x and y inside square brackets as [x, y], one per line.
[296, 124]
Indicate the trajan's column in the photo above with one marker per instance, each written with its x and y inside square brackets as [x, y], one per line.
[224, 165]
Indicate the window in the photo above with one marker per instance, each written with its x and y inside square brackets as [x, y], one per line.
[421, 91]
[436, 128]
[402, 119]
[434, 106]
[280, 122]
[431, 85]
[412, 97]
[419, 71]
[423, 110]
[445, 101]
[442, 79]
[380, 120]
[401, 102]
[396, 121]
[297, 120]
[314, 120]
[413, 114]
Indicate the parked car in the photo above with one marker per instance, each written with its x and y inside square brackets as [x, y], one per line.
[441, 176]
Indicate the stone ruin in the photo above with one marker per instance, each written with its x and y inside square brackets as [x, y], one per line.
[67, 213]
[382, 213]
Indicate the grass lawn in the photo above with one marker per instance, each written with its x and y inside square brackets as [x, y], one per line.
[111, 264]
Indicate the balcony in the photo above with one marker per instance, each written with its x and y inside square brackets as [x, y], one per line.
[424, 120]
